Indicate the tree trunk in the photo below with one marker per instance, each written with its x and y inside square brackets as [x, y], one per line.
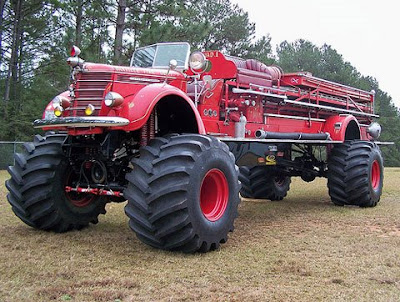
[17, 79]
[12, 74]
[78, 27]
[119, 32]
[2, 5]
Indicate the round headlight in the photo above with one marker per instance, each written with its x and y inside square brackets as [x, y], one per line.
[113, 99]
[198, 61]
[61, 101]
[374, 130]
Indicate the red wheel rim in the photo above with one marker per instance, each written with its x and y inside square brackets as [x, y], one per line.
[79, 200]
[375, 175]
[214, 195]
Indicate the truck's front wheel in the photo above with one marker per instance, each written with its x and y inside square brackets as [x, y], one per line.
[37, 188]
[183, 193]
[355, 174]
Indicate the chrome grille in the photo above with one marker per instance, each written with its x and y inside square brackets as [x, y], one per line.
[89, 89]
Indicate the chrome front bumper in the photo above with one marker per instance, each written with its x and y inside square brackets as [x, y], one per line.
[82, 122]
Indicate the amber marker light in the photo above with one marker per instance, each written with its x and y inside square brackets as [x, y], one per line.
[89, 109]
[58, 110]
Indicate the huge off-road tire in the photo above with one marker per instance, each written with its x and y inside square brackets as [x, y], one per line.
[355, 174]
[257, 183]
[183, 193]
[36, 188]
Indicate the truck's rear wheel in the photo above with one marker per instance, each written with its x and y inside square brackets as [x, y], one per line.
[37, 188]
[355, 174]
[257, 183]
[183, 193]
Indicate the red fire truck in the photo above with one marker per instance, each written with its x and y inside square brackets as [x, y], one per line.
[179, 135]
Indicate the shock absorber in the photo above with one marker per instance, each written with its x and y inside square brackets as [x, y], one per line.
[143, 135]
[88, 164]
[151, 123]
[148, 130]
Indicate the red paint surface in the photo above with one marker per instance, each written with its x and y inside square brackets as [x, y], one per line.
[219, 108]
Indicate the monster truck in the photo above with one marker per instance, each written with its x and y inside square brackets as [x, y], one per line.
[168, 134]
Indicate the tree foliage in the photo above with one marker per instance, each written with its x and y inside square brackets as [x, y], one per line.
[35, 38]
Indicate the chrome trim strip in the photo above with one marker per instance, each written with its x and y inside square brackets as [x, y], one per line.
[274, 141]
[239, 90]
[80, 108]
[82, 122]
[295, 117]
[89, 89]
[89, 99]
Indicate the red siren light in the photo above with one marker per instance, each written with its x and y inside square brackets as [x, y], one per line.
[75, 51]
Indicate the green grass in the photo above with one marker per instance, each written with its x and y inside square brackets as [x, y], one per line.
[299, 249]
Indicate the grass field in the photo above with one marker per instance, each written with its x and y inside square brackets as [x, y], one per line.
[300, 249]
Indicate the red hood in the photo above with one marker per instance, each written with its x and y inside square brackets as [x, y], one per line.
[133, 70]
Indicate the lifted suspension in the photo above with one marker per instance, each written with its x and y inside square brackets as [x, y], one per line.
[148, 131]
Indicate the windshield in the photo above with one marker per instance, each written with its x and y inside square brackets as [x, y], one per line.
[159, 55]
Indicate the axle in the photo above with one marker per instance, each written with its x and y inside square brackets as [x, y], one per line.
[94, 191]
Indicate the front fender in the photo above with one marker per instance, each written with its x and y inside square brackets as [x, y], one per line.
[138, 108]
[49, 110]
[337, 125]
